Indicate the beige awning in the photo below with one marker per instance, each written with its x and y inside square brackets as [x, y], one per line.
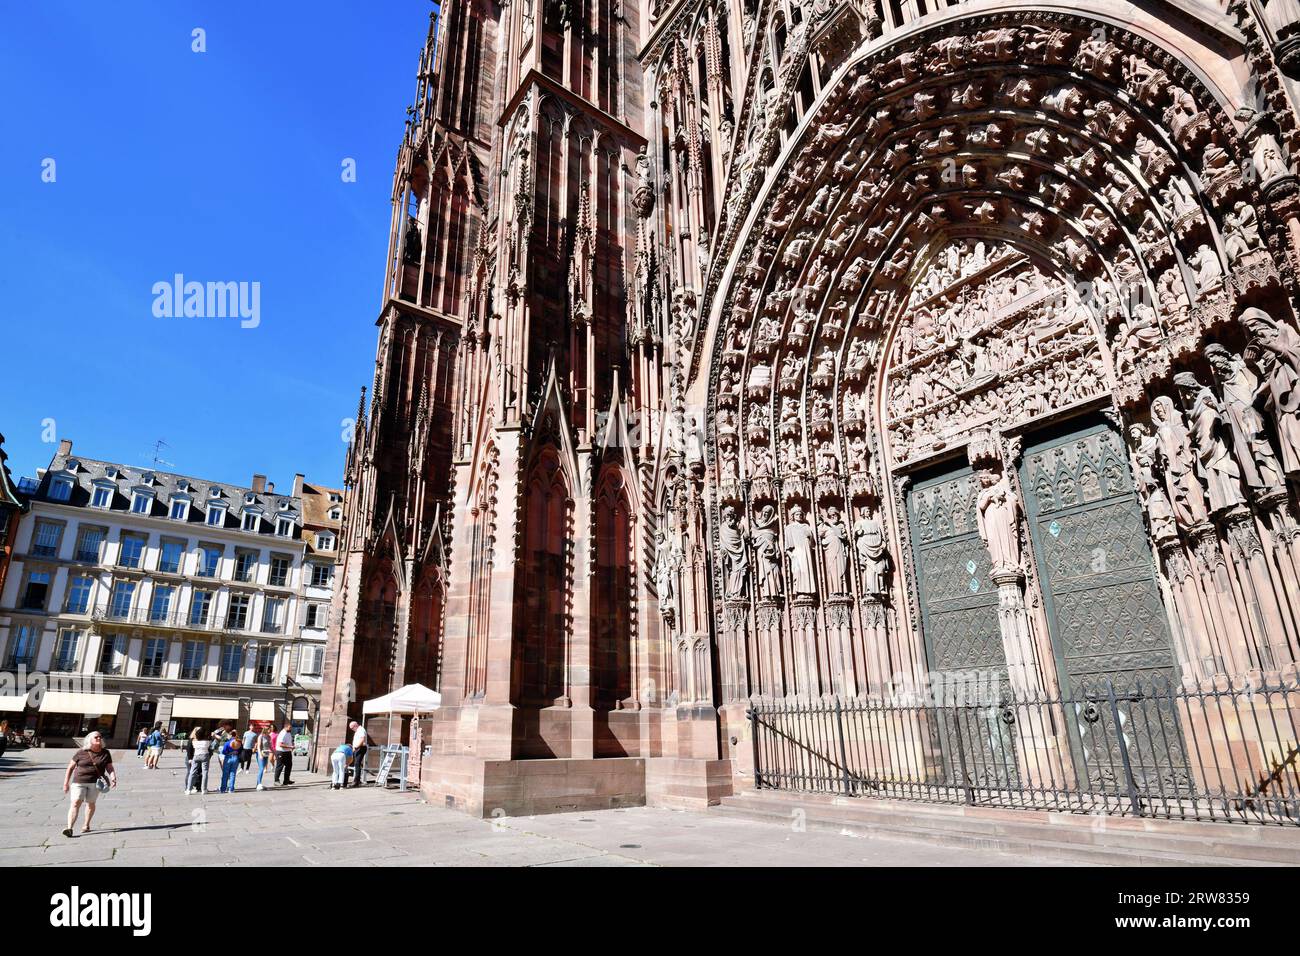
[88, 705]
[262, 710]
[13, 704]
[218, 708]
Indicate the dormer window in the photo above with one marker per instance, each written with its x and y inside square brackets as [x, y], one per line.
[335, 497]
[251, 520]
[216, 515]
[102, 497]
[142, 503]
[61, 488]
[72, 465]
[111, 472]
[180, 509]
[336, 514]
[214, 492]
[325, 541]
[284, 527]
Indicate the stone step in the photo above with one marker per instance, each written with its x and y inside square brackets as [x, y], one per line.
[1108, 841]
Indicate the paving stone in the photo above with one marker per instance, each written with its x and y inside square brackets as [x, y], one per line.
[149, 821]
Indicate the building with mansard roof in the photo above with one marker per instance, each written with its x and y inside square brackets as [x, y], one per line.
[137, 596]
[749, 369]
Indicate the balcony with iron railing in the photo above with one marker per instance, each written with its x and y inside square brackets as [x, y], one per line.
[172, 620]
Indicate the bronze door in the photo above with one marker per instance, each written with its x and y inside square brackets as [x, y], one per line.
[1103, 604]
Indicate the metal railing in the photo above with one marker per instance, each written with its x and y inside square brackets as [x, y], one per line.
[1229, 754]
[171, 619]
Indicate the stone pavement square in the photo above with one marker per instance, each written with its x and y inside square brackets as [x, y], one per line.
[149, 821]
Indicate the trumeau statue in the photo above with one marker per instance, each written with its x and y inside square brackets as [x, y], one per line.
[735, 555]
[1178, 463]
[998, 519]
[1210, 437]
[1260, 469]
[835, 549]
[799, 541]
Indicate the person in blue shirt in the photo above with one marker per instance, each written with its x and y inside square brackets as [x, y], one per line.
[339, 765]
[154, 746]
[229, 764]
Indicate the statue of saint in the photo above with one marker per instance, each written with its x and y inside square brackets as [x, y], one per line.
[998, 519]
[735, 555]
[799, 539]
[668, 559]
[767, 554]
[835, 549]
[1146, 452]
[1260, 469]
[1210, 438]
[1178, 463]
[1274, 352]
[873, 558]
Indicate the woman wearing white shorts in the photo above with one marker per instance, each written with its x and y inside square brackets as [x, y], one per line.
[80, 781]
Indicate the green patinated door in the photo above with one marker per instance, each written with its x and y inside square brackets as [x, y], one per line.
[1103, 604]
[959, 617]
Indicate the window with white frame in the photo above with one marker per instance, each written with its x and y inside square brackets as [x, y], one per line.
[312, 659]
[66, 651]
[193, 659]
[61, 488]
[46, 538]
[284, 527]
[142, 503]
[272, 610]
[216, 515]
[22, 646]
[119, 606]
[232, 662]
[180, 509]
[132, 552]
[102, 496]
[112, 654]
[37, 591]
[90, 542]
[324, 541]
[252, 520]
[79, 588]
[317, 615]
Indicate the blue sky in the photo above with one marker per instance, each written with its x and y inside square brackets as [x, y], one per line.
[225, 166]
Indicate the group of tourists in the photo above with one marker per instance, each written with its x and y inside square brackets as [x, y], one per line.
[234, 754]
[90, 772]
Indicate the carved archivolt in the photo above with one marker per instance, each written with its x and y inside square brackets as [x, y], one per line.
[981, 227]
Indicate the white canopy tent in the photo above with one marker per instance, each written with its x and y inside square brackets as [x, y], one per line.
[411, 699]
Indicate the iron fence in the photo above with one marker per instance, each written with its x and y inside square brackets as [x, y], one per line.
[1228, 754]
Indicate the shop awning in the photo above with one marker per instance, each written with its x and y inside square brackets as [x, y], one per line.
[262, 710]
[213, 708]
[13, 704]
[88, 705]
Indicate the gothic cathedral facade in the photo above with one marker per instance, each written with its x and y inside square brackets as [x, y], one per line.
[748, 350]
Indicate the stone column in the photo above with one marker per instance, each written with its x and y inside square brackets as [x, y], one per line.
[1271, 645]
[873, 647]
[1017, 637]
[803, 638]
[767, 618]
[839, 637]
